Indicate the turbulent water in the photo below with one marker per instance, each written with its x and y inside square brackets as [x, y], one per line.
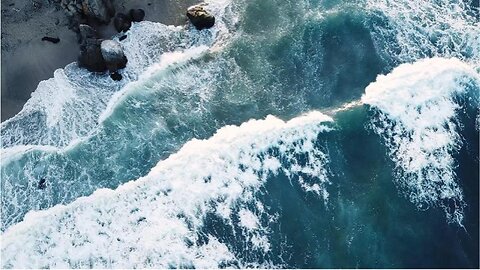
[312, 134]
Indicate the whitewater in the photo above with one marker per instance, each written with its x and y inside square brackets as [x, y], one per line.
[291, 134]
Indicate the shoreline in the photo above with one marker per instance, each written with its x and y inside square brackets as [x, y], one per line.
[26, 60]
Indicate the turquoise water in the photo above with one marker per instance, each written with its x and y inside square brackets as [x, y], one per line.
[353, 170]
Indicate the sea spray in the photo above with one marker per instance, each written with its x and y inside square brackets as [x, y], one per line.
[416, 115]
[155, 221]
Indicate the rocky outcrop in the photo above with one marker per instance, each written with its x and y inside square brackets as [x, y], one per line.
[98, 10]
[122, 22]
[113, 55]
[91, 55]
[99, 55]
[137, 15]
[200, 18]
[86, 32]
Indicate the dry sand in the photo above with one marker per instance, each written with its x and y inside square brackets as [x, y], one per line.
[26, 59]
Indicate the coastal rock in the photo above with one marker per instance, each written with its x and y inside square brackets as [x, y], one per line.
[102, 10]
[200, 18]
[98, 10]
[86, 32]
[122, 22]
[91, 55]
[137, 15]
[116, 76]
[113, 55]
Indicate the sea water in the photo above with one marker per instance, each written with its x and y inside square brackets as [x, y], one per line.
[291, 134]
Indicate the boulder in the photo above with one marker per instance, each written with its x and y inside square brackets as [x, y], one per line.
[137, 15]
[116, 76]
[122, 22]
[86, 32]
[200, 18]
[101, 10]
[113, 55]
[97, 10]
[91, 56]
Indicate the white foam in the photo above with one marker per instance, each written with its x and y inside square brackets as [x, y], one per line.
[157, 220]
[167, 60]
[417, 107]
[411, 30]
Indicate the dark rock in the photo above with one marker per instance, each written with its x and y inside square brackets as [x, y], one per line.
[51, 39]
[113, 55]
[122, 22]
[91, 55]
[122, 37]
[86, 32]
[137, 15]
[93, 10]
[200, 18]
[149, 4]
[110, 8]
[116, 76]
[75, 20]
[42, 184]
[101, 10]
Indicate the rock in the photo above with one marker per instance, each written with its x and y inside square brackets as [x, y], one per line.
[122, 37]
[51, 39]
[122, 22]
[75, 20]
[101, 10]
[98, 10]
[200, 18]
[42, 184]
[86, 32]
[116, 76]
[91, 55]
[113, 55]
[137, 15]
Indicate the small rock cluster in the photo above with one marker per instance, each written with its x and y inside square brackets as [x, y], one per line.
[99, 55]
[122, 22]
[100, 10]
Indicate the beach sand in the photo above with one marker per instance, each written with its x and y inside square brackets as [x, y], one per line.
[26, 59]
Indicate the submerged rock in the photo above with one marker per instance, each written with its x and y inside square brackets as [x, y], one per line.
[116, 76]
[91, 55]
[200, 18]
[42, 184]
[113, 55]
[122, 22]
[137, 15]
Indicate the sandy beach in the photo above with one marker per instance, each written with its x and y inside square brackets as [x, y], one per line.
[26, 59]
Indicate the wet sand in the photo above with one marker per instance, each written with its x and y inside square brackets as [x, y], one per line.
[26, 59]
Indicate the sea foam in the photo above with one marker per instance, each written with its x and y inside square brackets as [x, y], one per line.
[416, 109]
[157, 220]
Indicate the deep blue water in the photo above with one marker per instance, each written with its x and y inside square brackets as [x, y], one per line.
[354, 171]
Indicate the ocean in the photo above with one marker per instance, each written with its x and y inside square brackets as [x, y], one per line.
[292, 134]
